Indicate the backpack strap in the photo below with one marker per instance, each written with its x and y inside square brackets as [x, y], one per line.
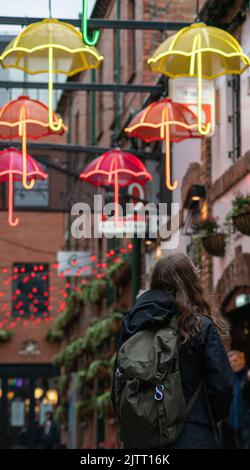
[193, 399]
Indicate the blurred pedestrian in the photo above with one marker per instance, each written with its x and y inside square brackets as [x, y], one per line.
[50, 433]
[240, 408]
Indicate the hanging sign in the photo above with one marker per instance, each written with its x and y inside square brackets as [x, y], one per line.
[184, 90]
[74, 263]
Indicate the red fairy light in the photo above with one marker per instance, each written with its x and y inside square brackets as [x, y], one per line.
[13, 324]
[46, 294]
[122, 250]
[112, 252]
[4, 270]
[67, 286]
[22, 269]
[92, 258]
[49, 307]
[6, 283]
[74, 262]
[32, 275]
[104, 265]
[117, 260]
[5, 321]
[30, 296]
[107, 255]
[35, 290]
[51, 288]
[18, 292]
[44, 278]
[55, 265]
[1, 324]
[36, 301]
[15, 270]
[7, 314]
[35, 268]
[1, 294]
[41, 267]
[50, 298]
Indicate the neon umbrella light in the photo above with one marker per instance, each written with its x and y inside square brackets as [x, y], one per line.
[50, 46]
[28, 119]
[11, 169]
[116, 168]
[199, 51]
[164, 120]
[85, 35]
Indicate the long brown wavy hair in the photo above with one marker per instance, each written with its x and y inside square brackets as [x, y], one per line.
[177, 274]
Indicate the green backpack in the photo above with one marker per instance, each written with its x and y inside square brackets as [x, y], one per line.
[149, 399]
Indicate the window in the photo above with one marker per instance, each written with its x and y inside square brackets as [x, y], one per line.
[235, 118]
[30, 290]
[37, 197]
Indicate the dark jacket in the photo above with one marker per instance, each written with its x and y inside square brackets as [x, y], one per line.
[205, 360]
[240, 408]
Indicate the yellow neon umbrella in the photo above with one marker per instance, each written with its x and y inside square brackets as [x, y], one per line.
[199, 51]
[50, 46]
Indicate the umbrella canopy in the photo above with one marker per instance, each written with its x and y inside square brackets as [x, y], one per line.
[199, 51]
[50, 46]
[28, 119]
[164, 120]
[117, 168]
[11, 169]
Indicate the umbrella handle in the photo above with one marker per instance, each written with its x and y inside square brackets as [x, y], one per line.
[26, 185]
[85, 36]
[58, 125]
[170, 186]
[116, 199]
[203, 129]
[12, 222]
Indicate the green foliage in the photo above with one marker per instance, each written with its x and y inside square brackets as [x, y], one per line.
[103, 403]
[94, 291]
[94, 336]
[62, 382]
[71, 312]
[207, 227]
[61, 413]
[5, 335]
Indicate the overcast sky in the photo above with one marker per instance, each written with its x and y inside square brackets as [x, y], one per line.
[40, 8]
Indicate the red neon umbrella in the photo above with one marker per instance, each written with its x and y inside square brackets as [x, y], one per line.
[116, 168]
[28, 119]
[164, 120]
[11, 169]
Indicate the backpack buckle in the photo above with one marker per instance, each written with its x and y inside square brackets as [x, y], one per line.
[118, 373]
[159, 392]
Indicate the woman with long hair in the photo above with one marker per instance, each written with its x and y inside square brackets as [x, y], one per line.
[176, 291]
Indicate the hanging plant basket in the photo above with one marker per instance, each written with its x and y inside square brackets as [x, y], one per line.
[215, 244]
[242, 222]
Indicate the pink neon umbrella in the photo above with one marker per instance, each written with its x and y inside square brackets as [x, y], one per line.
[116, 168]
[28, 119]
[11, 169]
[164, 120]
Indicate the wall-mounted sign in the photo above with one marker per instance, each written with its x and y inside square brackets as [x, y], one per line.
[74, 263]
[184, 90]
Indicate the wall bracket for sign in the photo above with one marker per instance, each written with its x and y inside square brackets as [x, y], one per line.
[85, 34]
